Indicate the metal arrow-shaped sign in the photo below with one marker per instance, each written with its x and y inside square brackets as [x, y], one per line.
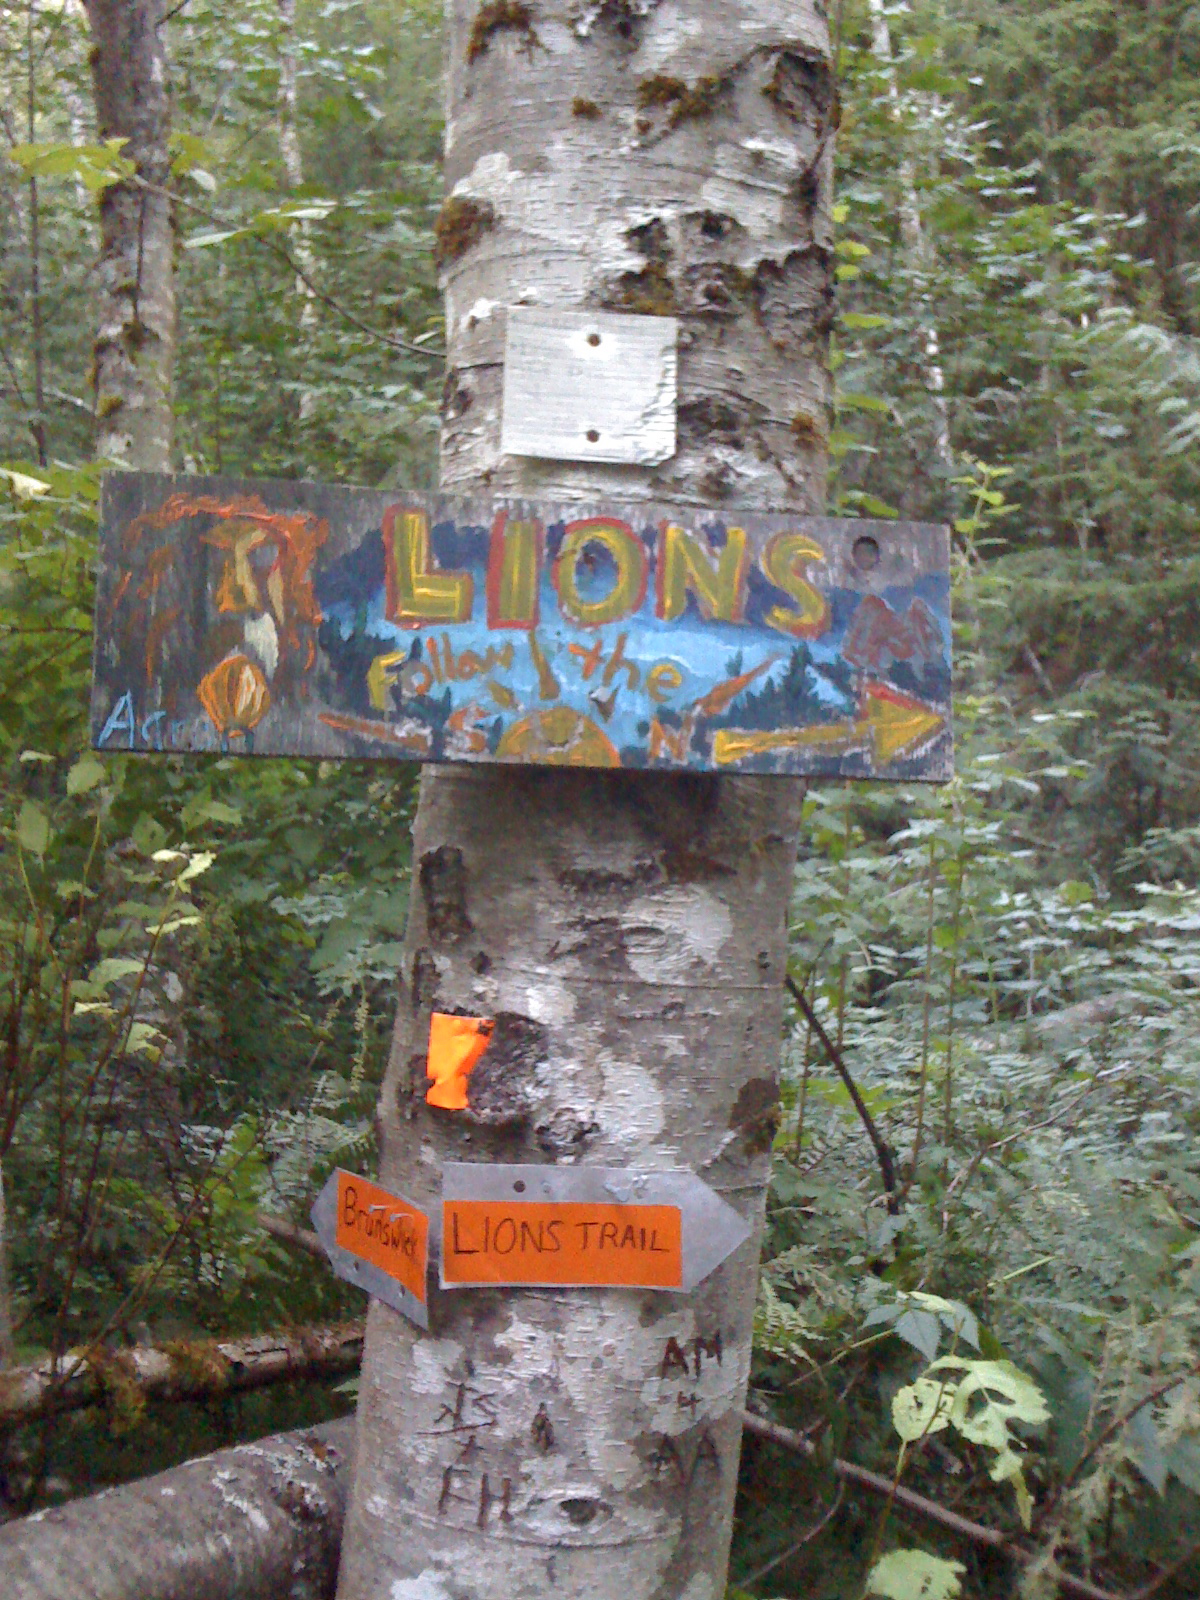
[582, 1227]
[379, 1241]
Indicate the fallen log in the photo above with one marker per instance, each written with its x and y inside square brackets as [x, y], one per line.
[296, 1238]
[260, 1522]
[198, 1371]
[263, 1522]
[178, 1370]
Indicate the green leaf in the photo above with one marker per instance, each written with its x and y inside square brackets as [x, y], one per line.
[852, 400]
[143, 1038]
[913, 1575]
[33, 829]
[923, 1408]
[87, 772]
[864, 320]
[920, 1329]
[202, 241]
[23, 485]
[96, 166]
[112, 969]
[199, 863]
[148, 834]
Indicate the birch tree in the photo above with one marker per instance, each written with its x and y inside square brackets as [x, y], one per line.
[135, 342]
[626, 931]
[293, 168]
[7, 1350]
[912, 232]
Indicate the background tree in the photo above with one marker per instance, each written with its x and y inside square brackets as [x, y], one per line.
[135, 345]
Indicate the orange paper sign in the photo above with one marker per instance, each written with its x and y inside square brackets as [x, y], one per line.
[564, 1243]
[384, 1230]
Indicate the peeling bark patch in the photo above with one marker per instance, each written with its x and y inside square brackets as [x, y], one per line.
[650, 240]
[500, 1090]
[682, 101]
[810, 431]
[499, 16]
[541, 1431]
[566, 1134]
[457, 399]
[581, 106]
[650, 291]
[624, 16]
[720, 289]
[444, 888]
[755, 1113]
[459, 225]
[717, 224]
[800, 83]
[714, 419]
[418, 1083]
[425, 977]
[428, 1586]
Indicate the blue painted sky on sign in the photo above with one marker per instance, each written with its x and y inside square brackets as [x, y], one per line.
[588, 669]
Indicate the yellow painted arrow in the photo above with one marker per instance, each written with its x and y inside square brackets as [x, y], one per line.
[889, 724]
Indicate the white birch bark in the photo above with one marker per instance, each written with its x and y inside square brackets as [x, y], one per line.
[135, 341]
[626, 929]
[259, 1522]
[293, 166]
[912, 232]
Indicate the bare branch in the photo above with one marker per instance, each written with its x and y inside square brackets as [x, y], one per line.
[883, 1152]
[921, 1505]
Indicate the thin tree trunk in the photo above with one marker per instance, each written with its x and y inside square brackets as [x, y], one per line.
[37, 333]
[293, 166]
[626, 155]
[912, 232]
[135, 343]
[7, 1347]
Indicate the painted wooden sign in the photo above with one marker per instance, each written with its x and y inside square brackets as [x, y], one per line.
[581, 1227]
[379, 1241]
[301, 619]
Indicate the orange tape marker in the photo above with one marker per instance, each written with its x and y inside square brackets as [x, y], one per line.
[455, 1045]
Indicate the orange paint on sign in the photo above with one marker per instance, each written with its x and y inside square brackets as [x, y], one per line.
[569, 1243]
[386, 1231]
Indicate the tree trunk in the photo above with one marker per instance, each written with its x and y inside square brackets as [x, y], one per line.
[135, 344]
[912, 232]
[293, 167]
[260, 1522]
[628, 929]
[7, 1347]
